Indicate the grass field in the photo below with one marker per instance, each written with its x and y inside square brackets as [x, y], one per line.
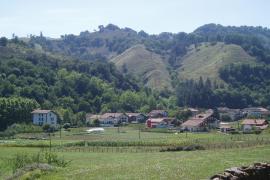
[140, 165]
[174, 165]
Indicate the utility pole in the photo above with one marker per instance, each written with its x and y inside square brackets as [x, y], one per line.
[50, 142]
[139, 132]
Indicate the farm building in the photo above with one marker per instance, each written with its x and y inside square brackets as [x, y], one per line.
[201, 122]
[256, 112]
[159, 122]
[250, 124]
[158, 114]
[41, 117]
[111, 119]
[233, 114]
[225, 127]
[136, 117]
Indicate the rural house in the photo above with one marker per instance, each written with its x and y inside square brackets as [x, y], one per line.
[250, 124]
[136, 117]
[111, 119]
[201, 122]
[158, 114]
[159, 122]
[256, 112]
[41, 117]
[225, 127]
[233, 114]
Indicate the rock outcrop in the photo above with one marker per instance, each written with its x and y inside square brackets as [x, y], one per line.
[258, 171]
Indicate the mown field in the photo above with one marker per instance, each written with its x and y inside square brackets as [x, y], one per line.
[131, 164]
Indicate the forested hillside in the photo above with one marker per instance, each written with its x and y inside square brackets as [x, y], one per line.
[72, 87]
[212, 66]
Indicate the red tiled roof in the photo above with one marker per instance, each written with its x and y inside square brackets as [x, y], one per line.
[158, 120]
[256, 122]
[193, 122]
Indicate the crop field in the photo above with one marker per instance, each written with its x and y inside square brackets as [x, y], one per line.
[127, 153]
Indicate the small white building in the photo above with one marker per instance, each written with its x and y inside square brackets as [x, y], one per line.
[41, 117]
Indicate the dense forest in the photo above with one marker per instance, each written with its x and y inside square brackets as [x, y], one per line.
[73, 75]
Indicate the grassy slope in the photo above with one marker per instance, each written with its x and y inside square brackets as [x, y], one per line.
[207, 59]
[146, 65]
[174, 165]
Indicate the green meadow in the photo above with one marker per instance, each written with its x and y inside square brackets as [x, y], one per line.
[131, 164]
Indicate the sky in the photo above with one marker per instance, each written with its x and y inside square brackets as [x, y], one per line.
[59, 17]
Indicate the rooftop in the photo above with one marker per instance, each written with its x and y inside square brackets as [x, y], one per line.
[41, 111]
[256, 122]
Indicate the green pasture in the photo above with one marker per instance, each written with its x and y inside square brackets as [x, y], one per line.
[166, 165]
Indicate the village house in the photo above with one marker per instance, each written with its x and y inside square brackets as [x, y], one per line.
[193, 111]
[136, 117]
[252, 124]
[111, 119]
[256, 112]
[41, 117]
[233, 114]
[225, 127]
[163, 122]
[200, 122]
[158, 114]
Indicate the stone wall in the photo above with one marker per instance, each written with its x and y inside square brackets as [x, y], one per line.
[258, 171]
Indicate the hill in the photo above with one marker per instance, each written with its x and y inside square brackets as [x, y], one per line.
[147, 66]
[72, 87]
[206, 60]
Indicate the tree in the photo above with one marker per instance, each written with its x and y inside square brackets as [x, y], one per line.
[3, 41]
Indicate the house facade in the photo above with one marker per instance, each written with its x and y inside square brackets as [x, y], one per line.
[41, 117]
[252, 124]
[256, 112]
[201, 122]
[159, 122]
[111, 119]
[234, 114]
[136, 117]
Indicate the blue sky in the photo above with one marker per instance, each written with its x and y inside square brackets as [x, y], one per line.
[55, 18]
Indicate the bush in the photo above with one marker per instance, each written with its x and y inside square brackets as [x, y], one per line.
[184, 148]
[23, 159]
[20, 128]
[66, 126]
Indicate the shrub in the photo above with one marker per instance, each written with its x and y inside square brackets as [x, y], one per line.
[23, 159]
[66, 126]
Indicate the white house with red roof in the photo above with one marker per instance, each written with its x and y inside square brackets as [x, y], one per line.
[163, 122]
[41, 117]
[250, 124]
[111, 119]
